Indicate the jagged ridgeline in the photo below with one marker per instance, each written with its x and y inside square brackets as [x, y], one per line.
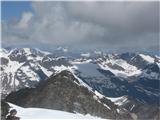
[64, 92]
[130, 80]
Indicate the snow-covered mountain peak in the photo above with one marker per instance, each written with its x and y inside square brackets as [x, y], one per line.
[2, 50]
[119, 67]
[110, 76]
[23, 67]
[27, 51]
[147, 58]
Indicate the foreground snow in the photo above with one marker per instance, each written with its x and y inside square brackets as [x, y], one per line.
[43, 114]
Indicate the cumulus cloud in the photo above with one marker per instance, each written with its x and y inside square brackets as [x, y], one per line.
[110, 25]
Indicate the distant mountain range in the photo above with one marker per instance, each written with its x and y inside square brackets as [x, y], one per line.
[125, 83]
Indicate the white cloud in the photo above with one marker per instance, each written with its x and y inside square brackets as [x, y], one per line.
[26, 17]
[111, 25]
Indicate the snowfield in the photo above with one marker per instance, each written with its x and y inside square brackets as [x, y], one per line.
[129, 70]
[44, 114]
[147, 58]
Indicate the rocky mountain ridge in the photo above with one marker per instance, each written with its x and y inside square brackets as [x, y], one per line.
[129, 80]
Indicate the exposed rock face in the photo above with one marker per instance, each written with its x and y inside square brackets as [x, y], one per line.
[3, 61]
[25, 67]
[4, 110]
[147, 112]
[140, 110]
[18, 55]
[63, 92]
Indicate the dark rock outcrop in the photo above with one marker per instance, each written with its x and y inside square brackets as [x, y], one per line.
[3, 61]
[63, 92]
[4, 110]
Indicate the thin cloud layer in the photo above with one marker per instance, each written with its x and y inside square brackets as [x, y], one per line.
[110, 25]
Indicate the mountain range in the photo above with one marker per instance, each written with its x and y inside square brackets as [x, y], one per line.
[119, 86]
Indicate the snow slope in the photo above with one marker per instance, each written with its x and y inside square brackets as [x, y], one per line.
[147, 58]
[43, 114]
[129, 70]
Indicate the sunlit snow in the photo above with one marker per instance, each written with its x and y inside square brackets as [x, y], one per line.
[39, 113]
[147, 58]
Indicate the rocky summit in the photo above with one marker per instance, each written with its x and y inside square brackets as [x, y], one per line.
[64, 92]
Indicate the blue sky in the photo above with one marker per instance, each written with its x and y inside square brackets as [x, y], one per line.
[13, 9]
